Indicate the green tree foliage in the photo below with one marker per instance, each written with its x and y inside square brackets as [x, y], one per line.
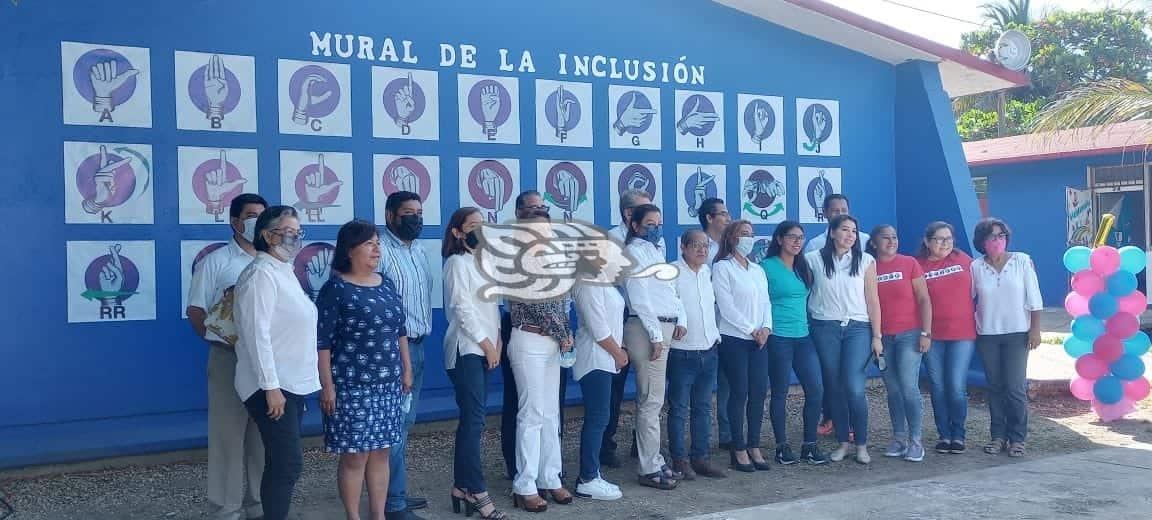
[1012, 12]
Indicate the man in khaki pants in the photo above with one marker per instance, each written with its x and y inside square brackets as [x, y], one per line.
[235, 451]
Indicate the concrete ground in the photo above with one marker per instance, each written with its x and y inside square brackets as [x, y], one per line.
[1076, 468]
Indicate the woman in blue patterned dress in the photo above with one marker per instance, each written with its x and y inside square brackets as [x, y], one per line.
[365, 370]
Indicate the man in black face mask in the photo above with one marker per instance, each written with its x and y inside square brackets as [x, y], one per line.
[405, 263]
[530, 207]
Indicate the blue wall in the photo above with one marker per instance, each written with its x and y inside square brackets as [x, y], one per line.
[99, 389]
[1030, 198]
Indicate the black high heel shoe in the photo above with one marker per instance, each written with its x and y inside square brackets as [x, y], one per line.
[759, 465]
[474, 504]
[459, 502]
[746, 468]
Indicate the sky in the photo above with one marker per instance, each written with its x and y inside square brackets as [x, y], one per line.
[947, 31]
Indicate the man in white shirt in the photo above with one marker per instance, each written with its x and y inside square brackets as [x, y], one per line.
[628, 199]
[835, 205]
[405, 263]
[235, 451]
[692, 362]
[714, 219]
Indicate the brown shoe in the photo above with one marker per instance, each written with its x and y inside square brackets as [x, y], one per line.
[683, 467]
[704, 468]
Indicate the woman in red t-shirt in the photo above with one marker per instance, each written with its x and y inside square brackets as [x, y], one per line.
[907, 334]
[948, 274]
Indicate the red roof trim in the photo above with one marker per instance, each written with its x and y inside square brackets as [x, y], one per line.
[1054, 156]
[886, 31]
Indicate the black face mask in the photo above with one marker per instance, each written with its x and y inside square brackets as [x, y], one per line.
[538, 214]
[471, 239]
[409, 227]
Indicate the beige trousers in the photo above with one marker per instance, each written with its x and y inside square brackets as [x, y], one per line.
[650, 385]
[235, 451]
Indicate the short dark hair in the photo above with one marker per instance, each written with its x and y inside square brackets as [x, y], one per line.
[398, 199]
[638, 214]
[453, 245]
[687, 236]
[237, 207]
[707, 207]
[799, 266]
[350, 236]
[984, 230]
[270, 218]
[523, 196]
[930, 232]
[835, 196]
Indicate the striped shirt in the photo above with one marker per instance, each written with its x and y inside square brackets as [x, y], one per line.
[407, 267]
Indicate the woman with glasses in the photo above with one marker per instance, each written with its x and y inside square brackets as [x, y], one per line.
[365, 369]
[744, 315]
[907, 312]
[790, 347]
[1008, 306]
[276, 360]
[948, 275]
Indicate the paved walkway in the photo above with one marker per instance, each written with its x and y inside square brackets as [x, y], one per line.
[1108, 484]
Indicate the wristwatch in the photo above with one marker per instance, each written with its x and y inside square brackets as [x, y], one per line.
[924, 334]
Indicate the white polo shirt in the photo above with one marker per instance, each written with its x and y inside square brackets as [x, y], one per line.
[216, 272]
[841, 297]
[1005, 300]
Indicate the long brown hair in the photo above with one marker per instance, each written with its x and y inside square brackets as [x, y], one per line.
[453, 245]
[729, 239]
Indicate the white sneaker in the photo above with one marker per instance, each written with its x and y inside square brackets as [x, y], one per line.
[839, 453]
[598, 489]
[896, 449]
[862, 455]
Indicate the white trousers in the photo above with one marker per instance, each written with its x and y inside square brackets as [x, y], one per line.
[235, 451]
[535, 361]
[651, 384]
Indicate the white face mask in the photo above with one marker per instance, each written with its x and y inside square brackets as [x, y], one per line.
[249, 233]
[745, 245]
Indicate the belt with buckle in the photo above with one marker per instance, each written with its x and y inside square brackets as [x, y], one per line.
[662, 319]
[533, 329]
[416, 341]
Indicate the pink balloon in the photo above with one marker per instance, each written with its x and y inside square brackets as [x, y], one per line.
[1122, 325]
[1087, 283]
[1108, 348]
[1081, 388]
[1105, 260]
[1133, 304]
[1137, 389]
[1091, 366]
[1076, 304]
[1112, 412]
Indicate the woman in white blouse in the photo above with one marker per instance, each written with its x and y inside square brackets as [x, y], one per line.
[845, 310]
[1008, 306]
[471, 349]
[744, 314]
[657, 318]
[599, 357]
[276, 352]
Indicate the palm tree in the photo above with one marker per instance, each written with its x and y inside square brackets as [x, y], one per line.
[1098, 104]
[1004, 14]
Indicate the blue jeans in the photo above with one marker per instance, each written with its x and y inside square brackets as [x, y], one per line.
[947, 363]
[597, 389]
[722, 426]
[398, 467]
[745, 366]
[470, 380]
[902, 384]
[690, 377]
[786, 355]
[283, 451]
[844, 351]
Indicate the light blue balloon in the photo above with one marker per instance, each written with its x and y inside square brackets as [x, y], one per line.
[1128, 367]
[1137, 345]
[1109, 389]
[1077, 258]
[1087, 328]
[1121, 283]
[1103, 305]
[1076, 347]
[1132, 259]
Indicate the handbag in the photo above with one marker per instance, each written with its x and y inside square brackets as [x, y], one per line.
[218, 324]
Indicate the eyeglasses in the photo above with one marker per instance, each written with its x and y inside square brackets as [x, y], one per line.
[298, 233]
[537, 208]
[999, 236]
[942, 240]
[720, 213]
[696, 245]
[793, 238]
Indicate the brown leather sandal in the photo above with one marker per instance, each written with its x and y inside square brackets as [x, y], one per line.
[526, 503]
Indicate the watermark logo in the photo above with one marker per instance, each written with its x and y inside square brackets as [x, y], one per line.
[536, 261]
